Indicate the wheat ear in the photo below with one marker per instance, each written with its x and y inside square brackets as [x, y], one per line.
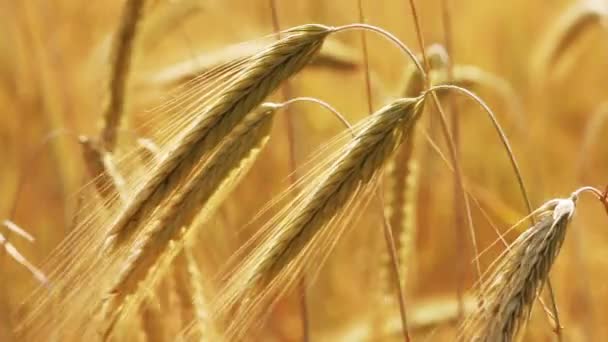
[515, 281]
[398, 176]
[358, 164]
[154, 252]
[576, 20]
[362, 159]
[121, 65]
[260, 77]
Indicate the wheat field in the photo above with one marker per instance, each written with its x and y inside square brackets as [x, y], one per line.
[272, 170]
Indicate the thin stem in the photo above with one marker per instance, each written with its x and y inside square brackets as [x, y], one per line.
[595, 191]
[453, 110]
[286, 92]
[420, 38]
[503, 137]
[391, 37]
[507, 146]
[459, 185]
[322, 103]
[368, 87]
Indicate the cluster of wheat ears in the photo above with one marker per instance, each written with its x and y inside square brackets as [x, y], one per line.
[135, 236]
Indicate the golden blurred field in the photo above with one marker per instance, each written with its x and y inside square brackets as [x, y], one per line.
[54, 71]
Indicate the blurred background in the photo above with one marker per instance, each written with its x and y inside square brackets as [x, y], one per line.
[54, 67]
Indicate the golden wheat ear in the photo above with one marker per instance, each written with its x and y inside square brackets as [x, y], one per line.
[325, 202]
[514, 281]
[261, 75]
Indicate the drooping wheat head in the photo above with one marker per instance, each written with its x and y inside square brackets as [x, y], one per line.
[507, 294]
[288, 244]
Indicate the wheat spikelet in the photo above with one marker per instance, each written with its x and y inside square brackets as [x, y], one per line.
[396, 187]
[259, 78]
[407, 238]
[200, 196]
[319, 206]
[121, 64]
[516, 279]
